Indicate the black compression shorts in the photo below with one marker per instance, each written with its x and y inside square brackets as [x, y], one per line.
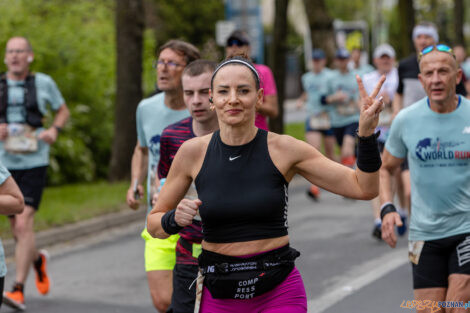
[441, 258]
[31, 183]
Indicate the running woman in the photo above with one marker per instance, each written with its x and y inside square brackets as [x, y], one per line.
[242, 175]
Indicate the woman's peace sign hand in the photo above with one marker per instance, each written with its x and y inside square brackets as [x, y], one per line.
[370, 107]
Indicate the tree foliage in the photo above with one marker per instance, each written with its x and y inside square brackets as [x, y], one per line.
[73, 42]
[190, 20]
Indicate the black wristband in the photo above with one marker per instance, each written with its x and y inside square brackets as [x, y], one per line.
[59, 129]
[169, 224]
[387, 208]
[368, 155]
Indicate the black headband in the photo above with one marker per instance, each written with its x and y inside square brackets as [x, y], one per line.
[251, 67]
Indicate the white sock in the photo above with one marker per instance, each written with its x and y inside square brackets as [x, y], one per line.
[378, 221]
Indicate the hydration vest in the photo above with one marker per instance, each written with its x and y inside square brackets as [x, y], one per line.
[30, 101]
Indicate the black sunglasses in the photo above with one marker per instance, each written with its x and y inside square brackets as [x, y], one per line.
[236, 42]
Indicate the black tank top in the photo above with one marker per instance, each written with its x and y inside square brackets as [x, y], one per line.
[244, 196]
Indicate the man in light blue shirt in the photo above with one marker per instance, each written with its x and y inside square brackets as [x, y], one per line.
[11, 202]
[434, 134]
[24, 151]
[153, 115]
[318, 124]
[342, 99]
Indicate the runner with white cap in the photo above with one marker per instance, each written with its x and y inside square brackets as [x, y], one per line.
[384, 61]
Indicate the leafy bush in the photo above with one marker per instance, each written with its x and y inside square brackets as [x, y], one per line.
[73, 42]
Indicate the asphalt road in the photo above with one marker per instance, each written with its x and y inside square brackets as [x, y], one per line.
[344, 269]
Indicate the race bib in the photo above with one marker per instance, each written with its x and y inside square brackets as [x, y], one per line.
[414, 250]
[320, 121]
[21, 139]
[347, 108]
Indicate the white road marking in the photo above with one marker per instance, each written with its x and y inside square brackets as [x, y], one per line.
[357, 278]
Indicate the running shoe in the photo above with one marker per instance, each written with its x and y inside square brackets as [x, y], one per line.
[313, 192]
[14, 299]
[40, 267]
[402, 229]
[377, 231]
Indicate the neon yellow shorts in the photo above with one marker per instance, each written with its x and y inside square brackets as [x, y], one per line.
[160, 254]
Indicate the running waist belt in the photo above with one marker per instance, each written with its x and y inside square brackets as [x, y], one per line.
[228, 277]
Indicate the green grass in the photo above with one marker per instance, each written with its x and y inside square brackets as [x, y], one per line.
[72, 203]
[296, 130]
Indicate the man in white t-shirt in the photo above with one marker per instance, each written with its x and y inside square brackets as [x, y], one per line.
[384, 61]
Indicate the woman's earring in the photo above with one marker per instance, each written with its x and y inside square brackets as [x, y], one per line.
[212, 107]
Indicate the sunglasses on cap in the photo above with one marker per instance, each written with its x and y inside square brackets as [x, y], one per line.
[236, 42]
[439, 47]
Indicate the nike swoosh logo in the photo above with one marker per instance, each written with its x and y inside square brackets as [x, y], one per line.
[231, 159]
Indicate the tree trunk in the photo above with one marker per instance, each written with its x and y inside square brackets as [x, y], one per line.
[129, 41]
[321, 28]
[407, 22]
[459, 13]
[278, 61]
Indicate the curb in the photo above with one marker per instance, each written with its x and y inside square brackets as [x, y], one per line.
[73, 231]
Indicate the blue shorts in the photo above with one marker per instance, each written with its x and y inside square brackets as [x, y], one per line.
[340, 132]
[324, 132]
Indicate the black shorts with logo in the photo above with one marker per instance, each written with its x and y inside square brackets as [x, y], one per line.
[441, 258]
[31, 183]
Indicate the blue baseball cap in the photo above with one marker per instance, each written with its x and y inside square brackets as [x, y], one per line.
[318, 54]
[342, 53]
